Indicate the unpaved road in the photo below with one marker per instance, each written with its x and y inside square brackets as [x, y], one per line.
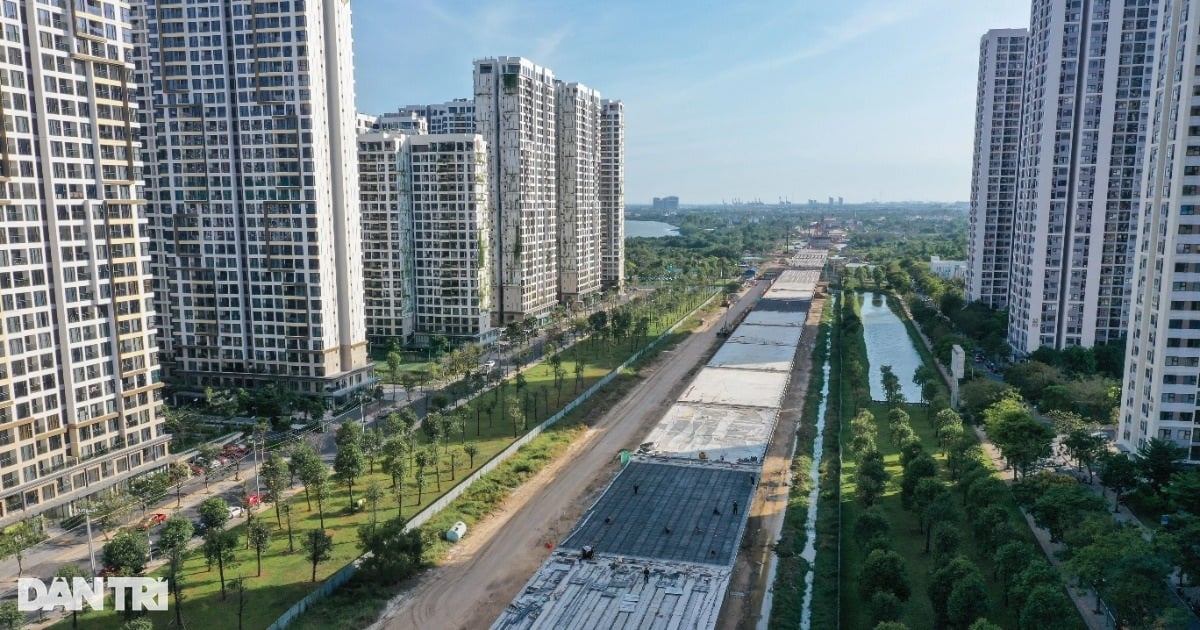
[486, 571]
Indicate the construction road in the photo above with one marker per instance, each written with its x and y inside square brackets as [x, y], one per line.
[486, 571]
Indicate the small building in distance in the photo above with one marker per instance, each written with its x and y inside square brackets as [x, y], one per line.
[947, 269]
[665, 203]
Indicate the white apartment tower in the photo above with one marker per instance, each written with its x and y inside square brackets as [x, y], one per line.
[612, 194]
[452, 238]
[1158, 395]
[252, 181]
[384, 186]
[1087, 82]
[994, 168]
[578, 170]
[80, 396]
[514, 112]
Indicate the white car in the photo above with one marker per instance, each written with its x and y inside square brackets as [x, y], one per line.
[488, 365]
[235, 511]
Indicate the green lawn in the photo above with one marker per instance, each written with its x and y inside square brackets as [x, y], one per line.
[286, 577]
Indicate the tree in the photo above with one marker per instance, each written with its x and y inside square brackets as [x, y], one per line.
[921, 467]
[372, 448]
[1021, 439]
[393, 553]
[348, 467]
[374, 494]
[471, 450]
[1084, 447]
[69, 572]
[394, 361]
[1008, 562]
[946, 539]
[177, 473]
[349, 432]
[214, 513]
[1119, 474]
[871, 477]
[885, 607]
[15, 539]
[218, 547]
[11, 617]
[940, 509]
[941, 586]
[317, 548]
[1157, 460]
[260, 539]
[968, 600]
[274, 475]
[176, 533]
[884, 571]
[870, 524]
[127, 552]
[515, 414]
[1063, 506]
[287, 515]
[892, 391]
[1047, 608]
[313, 473]
[322, 491]
[979, 394]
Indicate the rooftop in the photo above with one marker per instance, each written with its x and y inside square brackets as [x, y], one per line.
[718, 431]
[753, 356]
[760, 317]
[572, 594]
[682, 513]
[724, 386]
[768, 335]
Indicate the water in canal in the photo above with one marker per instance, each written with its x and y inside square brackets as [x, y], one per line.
[888, 343]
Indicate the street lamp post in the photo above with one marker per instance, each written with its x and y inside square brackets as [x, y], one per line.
[87, 519]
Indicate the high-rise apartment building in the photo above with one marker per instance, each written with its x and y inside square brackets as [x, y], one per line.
[252, 184]
[514, 112]
[994, 168]
[387, 237]
[1162, 364]
[79, 376]
[456, 116]
[452, 238]
[578, 171]
[403, 121]
[612, 194]
[1087, 82]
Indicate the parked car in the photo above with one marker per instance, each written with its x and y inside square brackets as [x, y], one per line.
[198, 528]
[152, 520]
[107, 572]
[255, 499]
[236, 511]
[488, 365]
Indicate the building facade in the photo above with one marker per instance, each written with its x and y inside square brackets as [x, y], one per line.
[578, 172]
[452, 238]
[403, 121]
[1083, 115]
[80, 394]
[994, 167]
[612, 194]
[252, 183]
[515, 114]
[386, 237]
[1162, 364]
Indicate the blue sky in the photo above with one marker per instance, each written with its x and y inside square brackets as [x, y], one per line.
[866, 99]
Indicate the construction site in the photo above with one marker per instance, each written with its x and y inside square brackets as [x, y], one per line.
[658, 547]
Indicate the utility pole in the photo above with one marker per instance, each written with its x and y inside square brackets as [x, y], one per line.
[87, 518]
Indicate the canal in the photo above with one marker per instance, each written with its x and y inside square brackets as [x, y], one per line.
[888, 343]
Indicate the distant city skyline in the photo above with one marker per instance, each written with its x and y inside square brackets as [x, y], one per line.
[734, 118]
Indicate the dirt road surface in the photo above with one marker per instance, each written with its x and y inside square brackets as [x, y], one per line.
[486, 571]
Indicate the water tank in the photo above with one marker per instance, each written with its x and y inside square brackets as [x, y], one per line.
[458, 531]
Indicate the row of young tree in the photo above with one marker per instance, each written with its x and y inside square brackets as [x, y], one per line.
[957, 587]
